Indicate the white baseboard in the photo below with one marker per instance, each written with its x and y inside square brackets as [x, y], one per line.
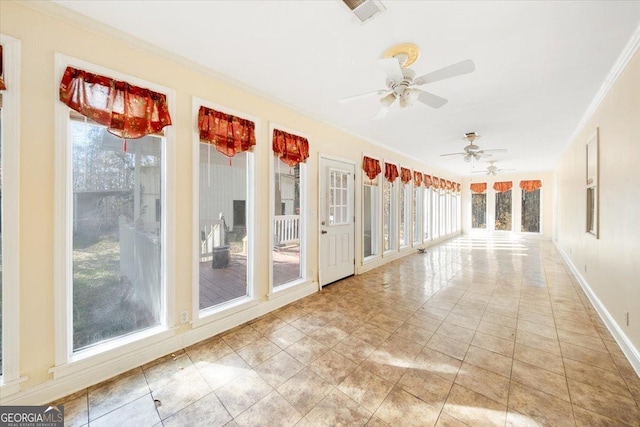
[54, 389]
[627, 347]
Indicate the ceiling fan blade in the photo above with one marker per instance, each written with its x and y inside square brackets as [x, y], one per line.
[485, 172]
[496, 150]
[452, 154]
[463, 67]
[433, 101]
[363, 95]
[392, 69]
[384, 109]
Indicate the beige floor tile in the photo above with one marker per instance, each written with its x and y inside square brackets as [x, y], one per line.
[224, 370]
[365, 388]
[183, 389]
[278, 369]
[541, 359]
[272, 410]
[116, 392]
[332, 367]
[76, 413]
[241, 337]
[474, 409]
[386, 366]
[585, 355]
[446, 420]
[336, 409]
[258, 351]
[284, 336]
[593, 343]
[586, 418]
[605, 379]
[482, 381]
[329, 335]
[305, 390]
[489, 360]
[465, 317]
[414, 333]
[528, 406]
[400, 348]
[354, 349]
[243, 392]
[604, 403]
[459, 333]
[402, 408]
[206, 412]
[538, 329]
[499, 319]
[267, 324]
[540, 379]
[425, 322]
[426, 386]
[208, 351]
[138, 413]
[307, 323]
[306, 350]
[495, 344]
[448, 346]
[371, 334]
[437, 363]
[536, 341]
[388, 323]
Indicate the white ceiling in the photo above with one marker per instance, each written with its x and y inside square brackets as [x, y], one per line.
[539, 64]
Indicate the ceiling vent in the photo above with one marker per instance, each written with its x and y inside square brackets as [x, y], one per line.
[365, 9]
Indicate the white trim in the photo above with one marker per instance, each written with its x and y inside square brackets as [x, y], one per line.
[209, 314]
[304, 214]
[9, 379]
[222, 310]
[63, 323]
[80, 379]
[619, 66]
[626, 345]
[380, 247]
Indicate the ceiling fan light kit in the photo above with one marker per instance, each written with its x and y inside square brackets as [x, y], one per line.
[401, 81]
[472, 151]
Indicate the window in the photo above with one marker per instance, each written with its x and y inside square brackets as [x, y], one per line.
[405, 212]
[338, 198]
[389, 215]
[288, 222]
[435, 212]
[417, 214]
[479, 205]
[503, 206]
[426, 207]
[224, 257]
[117, 233]
[530, 211]
[371, 213]
[442, 215]
[111, 213]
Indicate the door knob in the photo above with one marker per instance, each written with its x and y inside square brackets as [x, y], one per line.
[324, 232]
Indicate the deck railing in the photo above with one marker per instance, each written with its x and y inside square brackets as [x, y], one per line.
[212, 234]
[286, 229]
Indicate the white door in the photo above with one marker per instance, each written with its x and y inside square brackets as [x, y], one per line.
[337, 221]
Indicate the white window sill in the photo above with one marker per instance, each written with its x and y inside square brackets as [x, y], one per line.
[288, 288]
[110, 350]
[370, 259]
[221, 311]
[10, 387]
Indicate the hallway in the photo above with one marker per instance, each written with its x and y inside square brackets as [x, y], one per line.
[474, 332]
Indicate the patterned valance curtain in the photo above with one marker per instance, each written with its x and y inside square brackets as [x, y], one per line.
[427, 181]
[479, 187]
[405, 175]
[458, 188]
[436, 182]
[417, 178]
[291, 149]
[390, 172]
[443, 183]
[449, 186]
[371, 167]
[127, 111]
[229, 134]
[3, 86]
[531, 185]
[502, 186]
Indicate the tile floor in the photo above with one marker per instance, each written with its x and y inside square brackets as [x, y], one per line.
[475, 332]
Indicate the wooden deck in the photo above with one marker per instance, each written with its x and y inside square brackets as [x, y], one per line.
[225, 284]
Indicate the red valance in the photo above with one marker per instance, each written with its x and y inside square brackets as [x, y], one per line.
[531, 185]
[449, 186]
[417, 178]
[443, 183]
[502, 186]
[427, 181]
[436, 182]
[390, 172]
[2, 84]
[479, 187]
[405, 175]
[229, 134]
[127, 111]
[292, 149]
[371, 167]
[458, 189]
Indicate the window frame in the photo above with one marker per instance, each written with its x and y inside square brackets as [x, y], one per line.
[66, 359]
[496, 195]
[10, 372]
[407, 190]
[213, 313]
[417, 215]
[394, 214]
[541, 216]
[426, 207]
[304, 213]
[379, 227]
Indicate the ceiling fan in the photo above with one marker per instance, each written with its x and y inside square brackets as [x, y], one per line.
[492, 169]
[402, 83]
[472, 151]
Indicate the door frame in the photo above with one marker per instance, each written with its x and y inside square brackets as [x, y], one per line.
[356, 210]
